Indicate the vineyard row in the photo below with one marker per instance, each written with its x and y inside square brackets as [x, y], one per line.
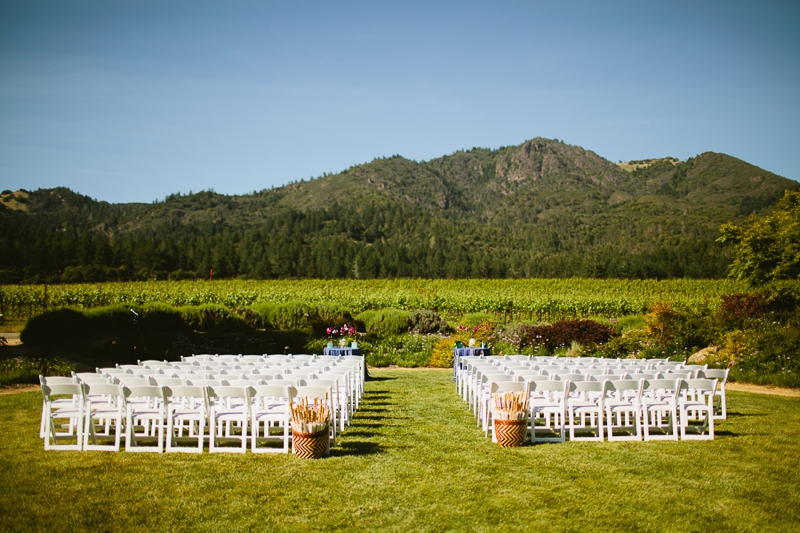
[515, 299]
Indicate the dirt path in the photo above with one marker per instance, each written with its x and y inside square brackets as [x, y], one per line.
[763, 389]
[13, 389]
[12, 339]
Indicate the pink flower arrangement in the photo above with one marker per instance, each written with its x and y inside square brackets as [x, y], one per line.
[344, 330]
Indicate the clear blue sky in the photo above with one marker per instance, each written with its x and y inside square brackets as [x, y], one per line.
[134, 100]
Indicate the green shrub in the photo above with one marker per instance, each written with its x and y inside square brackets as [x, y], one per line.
[472, 320]
[385, 321]
[400, 350]
[771, 347]
[68, 324]
[111, 320]
[327, 316]
[630, 344]
[428, 322]
[629, 322]
[782, 297]
[283, 317]
[27, 370]
[211, 317]
[159, 317]
[53, 326]
[695, 329]
[297, 315]
[244, 342]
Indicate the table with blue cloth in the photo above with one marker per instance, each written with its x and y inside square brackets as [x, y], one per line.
[347, 350]
[458, 353]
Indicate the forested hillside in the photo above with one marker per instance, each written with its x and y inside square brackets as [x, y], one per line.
[541, 209]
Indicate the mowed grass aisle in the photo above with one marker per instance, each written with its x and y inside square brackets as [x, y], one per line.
[414, 460]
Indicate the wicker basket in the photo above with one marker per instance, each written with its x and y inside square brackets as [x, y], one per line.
[510, 433]
[311, 445]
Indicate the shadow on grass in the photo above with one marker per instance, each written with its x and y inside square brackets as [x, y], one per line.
[359, 425]
[356, 433]
[382, 379]
[356, 448]
[737, 415]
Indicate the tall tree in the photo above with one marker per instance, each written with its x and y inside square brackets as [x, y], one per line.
[767, 249]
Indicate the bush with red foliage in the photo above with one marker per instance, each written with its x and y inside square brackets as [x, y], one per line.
[742, 306]
[563, 332]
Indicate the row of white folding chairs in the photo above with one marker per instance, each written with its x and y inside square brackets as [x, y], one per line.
[653, 409]
[286, 366]
[244, 357]
[259, 364]
[479, 373]
[266, 358]
[566, 364]
[346, 400]
[479, 376]
[156, 368]
[472, 377]
[573, 361]
[98, 416]
[466, 376]
[585, 360]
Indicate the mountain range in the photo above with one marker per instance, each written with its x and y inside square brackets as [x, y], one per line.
[541, 209]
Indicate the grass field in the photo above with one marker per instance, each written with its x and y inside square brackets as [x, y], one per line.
[414, 460]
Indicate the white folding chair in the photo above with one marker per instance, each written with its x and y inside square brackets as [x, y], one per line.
[483, 395]
[347, 390]
[186, 413]
[659, 407]
[105, 404]
[721, 375]
[585, 400]
[281, 382]
[697, 396]
[621, 399]
[229, 417]
[271, 410]
[572, 378]
[128, 380]
[167, 381]
[58, 403]
[64, 423]
[82, 375]
[323, 395]
[548, 402]
[145, 410]
[94, 379]
[339, 397]
[200, 382]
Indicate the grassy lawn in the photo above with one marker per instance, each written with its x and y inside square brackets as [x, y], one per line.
[414, 460]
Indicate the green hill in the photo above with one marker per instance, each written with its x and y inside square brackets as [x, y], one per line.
[540, 209]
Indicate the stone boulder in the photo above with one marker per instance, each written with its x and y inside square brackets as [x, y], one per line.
[704, 356]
